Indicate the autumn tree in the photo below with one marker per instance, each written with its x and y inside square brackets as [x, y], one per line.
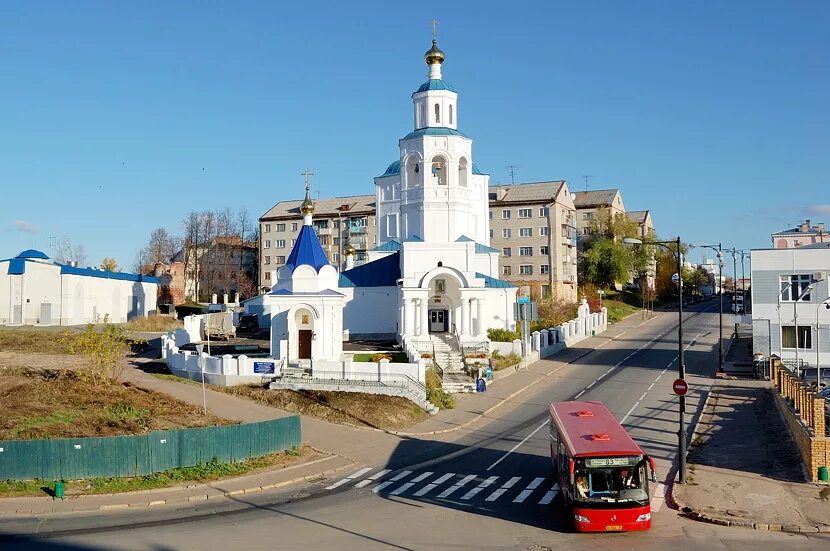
[109, 264]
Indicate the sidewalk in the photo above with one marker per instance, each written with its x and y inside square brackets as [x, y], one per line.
[744, 469]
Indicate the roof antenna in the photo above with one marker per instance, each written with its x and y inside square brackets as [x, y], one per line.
[585, 177]
[512, 169]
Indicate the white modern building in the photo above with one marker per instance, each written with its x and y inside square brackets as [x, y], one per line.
[37, 291]
[789, 297]
[433, 270]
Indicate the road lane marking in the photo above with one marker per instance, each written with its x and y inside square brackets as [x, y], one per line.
[506, 486]
[484, 483]
[421, 477]
[643, 396]
[514, 448]
[650, 386]
[401, 489]
[581, 392]
[458, 485]
[550, 495]
[351, 477]
[372, 478]
[382, 485]
[629, 412]
[529, 490]
[589, 386]
[429, 487]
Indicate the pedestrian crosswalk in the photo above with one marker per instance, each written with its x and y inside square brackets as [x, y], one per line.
[463, 487]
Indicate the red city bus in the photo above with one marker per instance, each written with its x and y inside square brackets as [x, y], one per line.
[602, 472]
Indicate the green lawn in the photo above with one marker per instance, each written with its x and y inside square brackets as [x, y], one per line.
[397, 357]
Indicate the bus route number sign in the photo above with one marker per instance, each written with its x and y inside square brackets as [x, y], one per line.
[680, 387]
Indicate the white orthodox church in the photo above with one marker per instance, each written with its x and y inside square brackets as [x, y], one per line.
[433, 270]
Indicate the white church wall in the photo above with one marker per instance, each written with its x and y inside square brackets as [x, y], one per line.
[5, 294]
[40, 285]
[370, 311]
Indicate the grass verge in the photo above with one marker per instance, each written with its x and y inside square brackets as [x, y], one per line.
[153, 324]
[503, 362]
[43, 341]
[206, 472]
[394, 357]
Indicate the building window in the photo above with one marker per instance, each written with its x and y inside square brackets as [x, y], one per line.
[321, 224]
[544, 211]
[392, 225]
[545, 291]
[267, 228]
[505, 251]
[544, 250]
[437, 113]
[267, 276]
[505, 233]
[506, 271]
[336, 240]
[586, 231]
[792, 286]
[440, 286]
[358, 223]
[280, 227]
[526, 269]
[279, 260]
[525, 232]
[267, 244]
[587, 215]
[505, 215]
[336, 224]
[450, 113]
[293, 226]
[525, 213]
[525, 251]
[280, 243]
[544, 231]
[491, 234]
[360, 257]
[267, 260]
[491, 215]
[336, 257]
[544, 269]
[788, 334]
[293, 242]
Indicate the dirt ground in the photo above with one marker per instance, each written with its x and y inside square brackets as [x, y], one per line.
[350, 408]
[38, 403]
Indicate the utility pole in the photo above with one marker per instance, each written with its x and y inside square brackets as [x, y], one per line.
[512, 169]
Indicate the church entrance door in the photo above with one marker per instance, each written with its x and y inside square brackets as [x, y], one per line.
[438, 321]
[304, 340]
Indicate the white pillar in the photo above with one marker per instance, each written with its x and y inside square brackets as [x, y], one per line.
[418, 329]
[424, 317]
[403, 316]
[465, 316]
[410, 317]
[482, 330]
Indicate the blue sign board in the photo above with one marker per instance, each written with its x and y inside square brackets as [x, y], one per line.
[263, 367]
[523, 300]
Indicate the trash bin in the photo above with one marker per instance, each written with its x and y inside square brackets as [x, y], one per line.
[481, 385]
[59, 489]
[822, 474]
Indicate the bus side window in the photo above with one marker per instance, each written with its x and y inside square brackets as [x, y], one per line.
[563, 458]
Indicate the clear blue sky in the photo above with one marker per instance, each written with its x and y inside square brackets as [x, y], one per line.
[121, 117]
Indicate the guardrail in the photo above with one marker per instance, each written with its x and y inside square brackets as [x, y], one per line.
[398, 380]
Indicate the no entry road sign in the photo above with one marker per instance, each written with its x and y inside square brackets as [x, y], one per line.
[680, 387]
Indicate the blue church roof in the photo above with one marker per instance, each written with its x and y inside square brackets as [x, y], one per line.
[32, 253]
[307, 250]
[390, 246]
[393, 168]
[434, 131]
[384, 272]
[493, 283]
[104, 274]
[479, 247]
[435, 84]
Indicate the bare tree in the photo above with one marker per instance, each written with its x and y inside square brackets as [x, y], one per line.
[67, 252]
[160, 248]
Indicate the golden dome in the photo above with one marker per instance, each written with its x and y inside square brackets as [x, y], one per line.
[307, 206]
[434, 55]
[350, 251]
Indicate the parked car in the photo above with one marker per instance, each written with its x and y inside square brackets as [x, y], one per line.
[809, 376]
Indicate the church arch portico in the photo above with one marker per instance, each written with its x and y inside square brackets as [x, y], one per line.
[302, 320]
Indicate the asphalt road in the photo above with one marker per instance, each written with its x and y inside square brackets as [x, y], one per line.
[485, 488]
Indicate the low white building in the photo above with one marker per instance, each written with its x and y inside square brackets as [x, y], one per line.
[789, 297]
[37, 291]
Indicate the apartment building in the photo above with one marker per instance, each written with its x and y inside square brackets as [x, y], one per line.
[589, 203]
[800, 236]
[340, 222]
[533, 226]
[645, 225]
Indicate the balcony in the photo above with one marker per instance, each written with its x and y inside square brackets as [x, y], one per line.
[357, 229]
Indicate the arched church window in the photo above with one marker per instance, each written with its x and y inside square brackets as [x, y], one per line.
[439, 170]
[450, 119]
[413, 173]
[437, 113]
[462, 172]
[422, 119]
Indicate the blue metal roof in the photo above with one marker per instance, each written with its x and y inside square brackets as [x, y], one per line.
[103, 274]
[307, 251]
[324, 292]
[392, 169]
[434, 131]
[493, 283]
[413, 239]
[32, 253]
[384, 272]
[435, 84]
[390, 246]
[17, 266]
[479, 247]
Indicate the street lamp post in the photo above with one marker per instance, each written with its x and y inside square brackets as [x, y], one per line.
[734, 252]
[681, 365]
[826, 303]
[719, 251]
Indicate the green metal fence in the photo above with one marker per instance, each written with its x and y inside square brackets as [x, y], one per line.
[73, 458]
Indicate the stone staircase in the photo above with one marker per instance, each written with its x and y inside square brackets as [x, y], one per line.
[451, 361]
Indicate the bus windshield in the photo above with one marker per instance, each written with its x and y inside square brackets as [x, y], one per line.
[611, 480]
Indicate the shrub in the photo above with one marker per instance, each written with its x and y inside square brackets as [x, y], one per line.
[104, 349]
[501, 362]
[381, 356]
[432, 379]
[502, 335]
[426, 355]
[440, 398]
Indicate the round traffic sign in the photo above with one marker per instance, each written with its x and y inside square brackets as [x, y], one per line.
[680, 387]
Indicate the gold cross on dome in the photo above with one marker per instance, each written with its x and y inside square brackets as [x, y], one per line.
[434, 30]
[308, 174]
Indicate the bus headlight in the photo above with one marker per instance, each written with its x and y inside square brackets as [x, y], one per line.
[580, 518]
[644, 517]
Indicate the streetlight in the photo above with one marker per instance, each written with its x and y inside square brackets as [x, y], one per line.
[734, 251]
[681, 365]
[826, 303]
[719, 251]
